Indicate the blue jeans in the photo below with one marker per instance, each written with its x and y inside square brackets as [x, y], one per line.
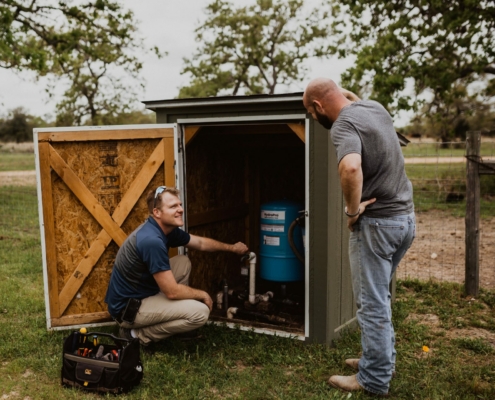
[376, 247]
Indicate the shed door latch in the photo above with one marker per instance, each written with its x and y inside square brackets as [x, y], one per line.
[180, 145]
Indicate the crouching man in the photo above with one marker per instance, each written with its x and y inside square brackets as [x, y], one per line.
[148, 294]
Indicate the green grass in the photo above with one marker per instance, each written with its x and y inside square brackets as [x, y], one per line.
[432, 184]
[243, 365]
[416, 149]
[233, 364]
[16, 161]
[19, 212]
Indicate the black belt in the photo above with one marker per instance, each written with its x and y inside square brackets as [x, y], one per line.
[119, 318]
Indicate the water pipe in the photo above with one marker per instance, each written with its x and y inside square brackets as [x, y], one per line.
[252, 278]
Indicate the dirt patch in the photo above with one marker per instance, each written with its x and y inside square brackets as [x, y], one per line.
[240, 366]
[27, 147]
[433, 322]
[18, 178]
[430, 320]
[27, 373]
[11, 395]
[438, 252]
[472, 333]
[434, 160]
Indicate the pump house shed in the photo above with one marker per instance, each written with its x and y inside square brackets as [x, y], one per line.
[228, 156]
[240, 152]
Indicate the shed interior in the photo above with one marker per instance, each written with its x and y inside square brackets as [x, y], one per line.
[231, 170]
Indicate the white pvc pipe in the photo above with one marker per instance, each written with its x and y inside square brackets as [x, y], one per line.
[264, 297]
[220, 300]
[230, 312]
[252, 278]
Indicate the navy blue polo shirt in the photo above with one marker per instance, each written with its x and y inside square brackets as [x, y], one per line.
[143, 254]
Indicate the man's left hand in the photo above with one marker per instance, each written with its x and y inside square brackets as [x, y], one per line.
[362, 207]
[349, 95]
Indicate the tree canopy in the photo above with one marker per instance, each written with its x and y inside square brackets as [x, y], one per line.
[254, 49]
[421, 55]
[17, 126]
[91, 43]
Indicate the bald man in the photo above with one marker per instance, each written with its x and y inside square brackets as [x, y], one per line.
[380, 215]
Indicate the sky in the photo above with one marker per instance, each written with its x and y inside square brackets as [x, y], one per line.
[167, 24]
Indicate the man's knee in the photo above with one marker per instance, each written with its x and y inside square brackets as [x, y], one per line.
[180, 261]
[181, 268]
[199, 315]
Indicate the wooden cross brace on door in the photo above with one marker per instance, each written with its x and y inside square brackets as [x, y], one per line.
[111, 224]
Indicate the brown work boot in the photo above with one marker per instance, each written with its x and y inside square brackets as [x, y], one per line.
[354, 364]
[350, 384]
[125, 333]
[346, 383]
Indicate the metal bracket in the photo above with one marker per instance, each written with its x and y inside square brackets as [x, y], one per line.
[485, 168]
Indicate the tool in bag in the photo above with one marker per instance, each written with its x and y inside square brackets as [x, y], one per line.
[91, 365]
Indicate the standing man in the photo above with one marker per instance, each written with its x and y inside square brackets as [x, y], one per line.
[148, 294]
[380, 216]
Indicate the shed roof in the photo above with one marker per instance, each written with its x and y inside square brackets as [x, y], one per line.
[224, 100]
[266, 99]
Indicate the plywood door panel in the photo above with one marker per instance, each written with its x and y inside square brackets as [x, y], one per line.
[94, 194]
[86, 197]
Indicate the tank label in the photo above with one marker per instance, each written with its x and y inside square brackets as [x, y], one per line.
[271, 240]
[272, 228]
[277, 215]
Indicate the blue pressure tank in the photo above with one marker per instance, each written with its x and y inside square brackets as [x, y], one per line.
[277, 260]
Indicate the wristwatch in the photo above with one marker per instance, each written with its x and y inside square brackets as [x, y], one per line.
[352, 215]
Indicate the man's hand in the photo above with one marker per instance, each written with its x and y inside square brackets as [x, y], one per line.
[174, 291]
[207, 300]
[240, 248]
[362, 207]
[349, 95]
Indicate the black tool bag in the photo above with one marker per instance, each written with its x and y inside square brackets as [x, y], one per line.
[106, 368]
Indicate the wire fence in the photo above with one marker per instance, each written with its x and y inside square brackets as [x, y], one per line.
[436, 170]
[438, 174]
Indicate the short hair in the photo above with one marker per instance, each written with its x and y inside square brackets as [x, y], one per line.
[320, 88]
[150, 199]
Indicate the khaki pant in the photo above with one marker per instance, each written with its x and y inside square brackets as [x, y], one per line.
[159, 317]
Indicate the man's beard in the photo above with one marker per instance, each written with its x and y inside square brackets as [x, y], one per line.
[323, 120]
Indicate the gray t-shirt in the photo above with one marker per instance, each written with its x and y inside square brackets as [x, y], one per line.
[365, 127]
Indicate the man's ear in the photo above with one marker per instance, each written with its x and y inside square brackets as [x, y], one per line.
[317, 106]
[156, 212]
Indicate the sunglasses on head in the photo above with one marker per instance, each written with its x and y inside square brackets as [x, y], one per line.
[159, 190]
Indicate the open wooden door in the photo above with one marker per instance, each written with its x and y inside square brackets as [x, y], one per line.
[92, 188]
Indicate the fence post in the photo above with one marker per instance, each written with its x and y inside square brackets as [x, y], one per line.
[472, 278]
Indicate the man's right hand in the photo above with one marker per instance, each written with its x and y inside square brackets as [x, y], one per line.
[174, 291]
[207, 300]
[240, 248]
